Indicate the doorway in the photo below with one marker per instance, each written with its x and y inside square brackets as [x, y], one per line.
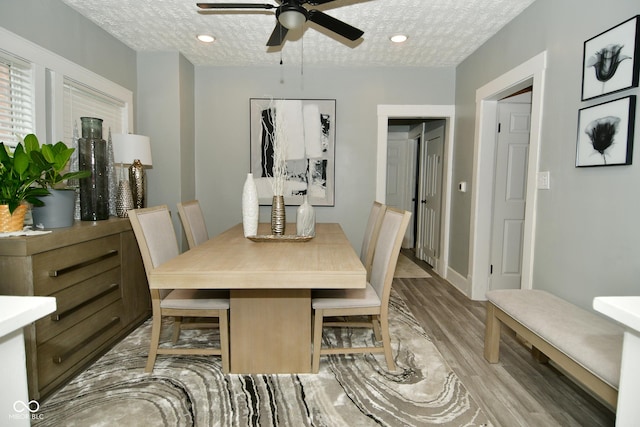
[510, 190]
[420, 113]
[530, 73]
[414, 181]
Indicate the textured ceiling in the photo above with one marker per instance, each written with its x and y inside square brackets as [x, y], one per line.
[441, 33]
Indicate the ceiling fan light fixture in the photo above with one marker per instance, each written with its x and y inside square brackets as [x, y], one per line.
[206, 38]
[292, 18]
[398, 38]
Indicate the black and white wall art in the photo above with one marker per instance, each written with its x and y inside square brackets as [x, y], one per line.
[605, 133]
[610, 60]
[306, 130]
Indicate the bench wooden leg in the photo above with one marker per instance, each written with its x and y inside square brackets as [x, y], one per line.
[539, 356]
[492, 335]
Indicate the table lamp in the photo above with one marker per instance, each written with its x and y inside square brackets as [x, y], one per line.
[133, 150]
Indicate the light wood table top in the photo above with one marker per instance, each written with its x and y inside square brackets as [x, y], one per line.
[231, 261]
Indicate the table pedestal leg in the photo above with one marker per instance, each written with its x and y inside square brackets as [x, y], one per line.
[270, 331]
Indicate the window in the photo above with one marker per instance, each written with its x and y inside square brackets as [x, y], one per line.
[82, 101]
[16, 100]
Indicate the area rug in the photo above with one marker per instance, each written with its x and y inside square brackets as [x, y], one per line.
[192, 391]
[407, 269]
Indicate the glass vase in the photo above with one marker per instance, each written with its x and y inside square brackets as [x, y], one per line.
[92, 156]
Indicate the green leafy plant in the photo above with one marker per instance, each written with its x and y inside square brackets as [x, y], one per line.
[58, 156]
[29, 170]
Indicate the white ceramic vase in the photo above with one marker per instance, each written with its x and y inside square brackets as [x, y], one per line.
[250, 207]
[306, 219]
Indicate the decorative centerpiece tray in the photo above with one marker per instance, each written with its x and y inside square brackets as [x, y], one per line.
[291, 238]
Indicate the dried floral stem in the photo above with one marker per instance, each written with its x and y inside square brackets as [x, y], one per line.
[279, 140]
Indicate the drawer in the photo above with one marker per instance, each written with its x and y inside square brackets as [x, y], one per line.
[78, 302]
[64, 267]
[69, 349]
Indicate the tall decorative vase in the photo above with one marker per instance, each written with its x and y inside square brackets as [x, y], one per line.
[94, 190]
[124, 199]
[306, 219]
[278, 216]
[250, 207]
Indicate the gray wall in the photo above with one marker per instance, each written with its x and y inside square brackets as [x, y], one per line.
[587, 240]
[222, 131]
[58, 28]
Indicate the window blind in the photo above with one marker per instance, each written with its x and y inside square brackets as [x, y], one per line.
[16, 99]
[82, 101]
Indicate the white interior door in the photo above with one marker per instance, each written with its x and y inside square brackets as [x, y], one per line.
[401, 177]
[431, 193]
[510, 193]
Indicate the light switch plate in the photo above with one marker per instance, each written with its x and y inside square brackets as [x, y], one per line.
[544, 180]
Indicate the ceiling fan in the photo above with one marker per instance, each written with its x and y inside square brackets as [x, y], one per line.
[291, 15]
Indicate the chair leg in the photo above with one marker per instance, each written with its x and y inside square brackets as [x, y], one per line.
[386, 342]
[317, 340]
[223, 321]
[177, 325]
[375, 321]
[156, 326]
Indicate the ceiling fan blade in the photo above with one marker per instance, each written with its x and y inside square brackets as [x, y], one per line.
[235, 6]
[278, 35]
[317, 2]
[335, 25]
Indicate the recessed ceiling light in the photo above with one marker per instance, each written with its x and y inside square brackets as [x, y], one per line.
[398, 38]
[206, 38]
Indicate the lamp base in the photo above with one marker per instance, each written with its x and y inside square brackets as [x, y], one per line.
[136, 181]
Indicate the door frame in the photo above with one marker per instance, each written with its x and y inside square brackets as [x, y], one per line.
[446, 112]
[529, 73]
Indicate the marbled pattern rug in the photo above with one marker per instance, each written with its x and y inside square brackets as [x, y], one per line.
[351, 391]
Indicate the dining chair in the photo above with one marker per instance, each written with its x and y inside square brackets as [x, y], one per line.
[371, 303]
[371, 235]
[193, 223]
[157, 241]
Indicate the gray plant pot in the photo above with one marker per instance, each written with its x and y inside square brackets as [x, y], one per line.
[58, 210]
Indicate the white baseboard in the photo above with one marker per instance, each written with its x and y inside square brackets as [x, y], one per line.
[459, 282]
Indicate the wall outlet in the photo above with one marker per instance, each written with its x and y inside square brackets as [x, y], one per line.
[544, 180]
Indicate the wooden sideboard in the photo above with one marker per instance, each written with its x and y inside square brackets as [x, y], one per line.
[95, 271]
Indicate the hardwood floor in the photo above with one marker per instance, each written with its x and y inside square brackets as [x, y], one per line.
[517, 391]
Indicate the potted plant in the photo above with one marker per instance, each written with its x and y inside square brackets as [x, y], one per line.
[59, 204]
[27, 174]
[19, 171]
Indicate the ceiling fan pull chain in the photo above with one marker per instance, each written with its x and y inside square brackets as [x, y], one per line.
[302, 63]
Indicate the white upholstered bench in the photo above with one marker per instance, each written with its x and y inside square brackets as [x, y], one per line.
[583, 344]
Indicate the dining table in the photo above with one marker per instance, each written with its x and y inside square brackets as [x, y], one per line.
[270, 280]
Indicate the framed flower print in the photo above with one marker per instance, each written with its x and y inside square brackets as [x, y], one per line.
[610, 61]
[605, 133]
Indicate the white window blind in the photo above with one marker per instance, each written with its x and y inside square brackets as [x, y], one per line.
[16, 99]
[82, 101]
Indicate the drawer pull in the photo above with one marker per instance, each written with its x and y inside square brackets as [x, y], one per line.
[60, 272]
[61, 358]
[59, 316]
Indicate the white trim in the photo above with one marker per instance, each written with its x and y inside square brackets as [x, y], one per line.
[532, 72]
[458, 281]
[43, 60]
[447, 112]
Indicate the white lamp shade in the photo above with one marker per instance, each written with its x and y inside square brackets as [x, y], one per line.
[128, 147]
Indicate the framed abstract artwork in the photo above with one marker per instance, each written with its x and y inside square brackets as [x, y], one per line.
[610, 60]
[305, 129]
[605, 133]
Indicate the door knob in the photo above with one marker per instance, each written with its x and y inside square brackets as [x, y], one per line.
[424, 202]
